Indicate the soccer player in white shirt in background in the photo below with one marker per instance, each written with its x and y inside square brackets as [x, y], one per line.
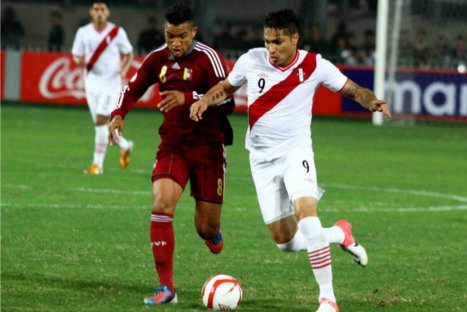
[281, 82]
[98, 47]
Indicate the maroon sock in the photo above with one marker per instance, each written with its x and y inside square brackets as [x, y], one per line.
[163, 245]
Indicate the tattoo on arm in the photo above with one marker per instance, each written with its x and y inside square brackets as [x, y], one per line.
[218, 94]
[350, 91]
[358, 94]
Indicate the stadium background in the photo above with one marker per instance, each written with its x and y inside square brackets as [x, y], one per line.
[72, 242]
[431, 50]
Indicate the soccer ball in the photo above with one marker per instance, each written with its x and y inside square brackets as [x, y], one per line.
[221, 292]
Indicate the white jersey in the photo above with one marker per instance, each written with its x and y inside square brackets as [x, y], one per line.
[280, 99]
[106, 68]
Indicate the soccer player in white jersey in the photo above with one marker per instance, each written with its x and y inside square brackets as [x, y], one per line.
[98, 47]
[281, 82]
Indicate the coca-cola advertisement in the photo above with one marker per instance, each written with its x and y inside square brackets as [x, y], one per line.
[54, 78]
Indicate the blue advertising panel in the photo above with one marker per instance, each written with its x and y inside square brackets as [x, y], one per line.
[420, 92]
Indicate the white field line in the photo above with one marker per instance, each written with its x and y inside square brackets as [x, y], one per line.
[239, 209]
[382, 207]
[113, 191]
[397, 190]
[342, 186]
[401, 209]
[137, 171]
[87, 190]
[74, 206]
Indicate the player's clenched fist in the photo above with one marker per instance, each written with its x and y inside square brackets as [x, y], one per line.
[197, 109]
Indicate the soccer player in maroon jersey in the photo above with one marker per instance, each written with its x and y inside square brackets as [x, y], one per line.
[184, 69]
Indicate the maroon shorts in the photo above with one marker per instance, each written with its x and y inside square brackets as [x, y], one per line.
[204, 165]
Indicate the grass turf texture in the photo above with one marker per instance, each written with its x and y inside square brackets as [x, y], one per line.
[73, 242]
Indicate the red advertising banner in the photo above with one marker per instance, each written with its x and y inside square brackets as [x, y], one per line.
[2, 74]
[54, 78]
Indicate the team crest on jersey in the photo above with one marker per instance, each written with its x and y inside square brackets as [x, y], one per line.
[187, 74]
[301, 74]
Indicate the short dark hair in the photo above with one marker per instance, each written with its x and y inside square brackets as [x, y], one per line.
[283, 19]
[178, 13]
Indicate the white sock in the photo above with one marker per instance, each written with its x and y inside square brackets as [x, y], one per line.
[124, 144]
[100, 146]
[319, 254]
[297, 243]
[334, 235]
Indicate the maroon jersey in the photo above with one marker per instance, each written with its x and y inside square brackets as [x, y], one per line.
[194, 74]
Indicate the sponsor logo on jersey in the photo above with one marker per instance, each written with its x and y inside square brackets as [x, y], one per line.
[300, 74]
[176, 66]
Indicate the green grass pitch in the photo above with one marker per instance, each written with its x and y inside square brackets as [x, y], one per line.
[72, 242]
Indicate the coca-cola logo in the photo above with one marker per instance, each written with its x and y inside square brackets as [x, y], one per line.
[59, 80]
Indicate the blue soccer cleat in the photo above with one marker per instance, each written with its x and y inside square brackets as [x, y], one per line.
[215, 244]
[161, 295]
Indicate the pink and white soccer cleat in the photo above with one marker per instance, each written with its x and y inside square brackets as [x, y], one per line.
[349, 244]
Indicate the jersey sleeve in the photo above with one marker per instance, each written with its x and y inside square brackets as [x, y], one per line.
[124, 45]
[78, 44]
[137, 86]
[228, 104]
[237, 76]
[215, 72]
[331, 77]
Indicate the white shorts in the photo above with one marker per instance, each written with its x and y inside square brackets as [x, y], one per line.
[282, 180]
[102, 98]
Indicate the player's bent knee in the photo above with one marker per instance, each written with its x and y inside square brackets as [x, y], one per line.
[281, 238]
[162, 206]
[101, 120]
[297, 243]
[207, 230]
[305, 207]
[283, 230]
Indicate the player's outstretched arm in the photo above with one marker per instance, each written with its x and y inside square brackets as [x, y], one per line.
[126, 64]
[365, 97]
[216, 95]
[115, 129]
